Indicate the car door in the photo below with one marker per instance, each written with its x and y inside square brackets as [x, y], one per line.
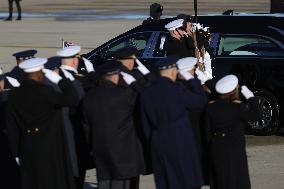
[258, 61]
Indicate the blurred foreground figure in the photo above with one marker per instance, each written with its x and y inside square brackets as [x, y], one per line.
[156, 11]
[225, 119]
[35, 128]
[11, 10]
[166, 124]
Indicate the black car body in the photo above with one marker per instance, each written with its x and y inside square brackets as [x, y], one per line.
[250, 46]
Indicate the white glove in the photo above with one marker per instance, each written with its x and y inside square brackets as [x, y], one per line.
[18, 161]
[52, 76]
[246, 92]
[89, 66]
[202, 76]
[186, 75]
[13, 81]
[68, 75]
[129, 79]
[141, 67]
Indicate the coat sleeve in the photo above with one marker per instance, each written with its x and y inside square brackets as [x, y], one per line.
[68, 97]
[86, 124]
[13, 129]
[193, 95]
[145, 122]
[250, 110]
[207, 128]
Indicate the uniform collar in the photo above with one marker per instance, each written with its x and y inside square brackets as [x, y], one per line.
[69, 68]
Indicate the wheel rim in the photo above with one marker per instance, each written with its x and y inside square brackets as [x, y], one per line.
[267, 114]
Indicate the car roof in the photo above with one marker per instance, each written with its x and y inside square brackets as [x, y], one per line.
[242, 23]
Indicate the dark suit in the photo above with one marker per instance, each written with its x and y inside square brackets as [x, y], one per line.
[18, 8]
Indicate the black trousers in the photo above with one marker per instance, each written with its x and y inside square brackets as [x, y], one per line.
[132, 183]
[18, 8]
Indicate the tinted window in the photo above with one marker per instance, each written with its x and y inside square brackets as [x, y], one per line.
[138, 40]
[159, 50]
[248, 46]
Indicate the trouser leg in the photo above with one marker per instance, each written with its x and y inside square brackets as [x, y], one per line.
[19, 10]
[134, 182]
[10, 9]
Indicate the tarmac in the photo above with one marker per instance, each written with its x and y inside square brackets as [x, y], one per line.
[265, 154]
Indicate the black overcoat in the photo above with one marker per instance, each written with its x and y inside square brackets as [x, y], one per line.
[9, 169]
[225, 131]
[36, 134]
[166, 124]
[182, 48]
[108, 110]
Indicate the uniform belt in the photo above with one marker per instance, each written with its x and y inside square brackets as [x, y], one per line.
[32, 130]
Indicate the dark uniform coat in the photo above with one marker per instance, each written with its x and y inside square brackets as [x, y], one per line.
[182, 48]
[166, 124]
[9, 169]
[225, 128]
[17, 73]
[108, 110]
[75, 116]
[36, 134]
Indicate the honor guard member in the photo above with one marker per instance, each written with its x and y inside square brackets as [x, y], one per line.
[165, 121]
[196, 116]
[177, 44]
[108, 110]
[16, 72]
[9, 168]
[127, 56]
[35, 128]
[11, 10]
[225, 122]
[69, 64]
[54, 64]
[156, 11]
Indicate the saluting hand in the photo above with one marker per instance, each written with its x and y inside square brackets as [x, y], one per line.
[89, 66]
[52, 76]
[246, 92]
[129, 79]
[141, 67]
[186, 75]
[13, 81]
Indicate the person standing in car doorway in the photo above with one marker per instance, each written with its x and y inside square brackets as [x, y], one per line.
[156, 11]
[11, 10]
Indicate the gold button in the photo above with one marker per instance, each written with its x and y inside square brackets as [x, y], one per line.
[36, 129]
[29, 131]
[223, 134]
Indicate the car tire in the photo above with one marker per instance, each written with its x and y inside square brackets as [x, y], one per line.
[269, 122]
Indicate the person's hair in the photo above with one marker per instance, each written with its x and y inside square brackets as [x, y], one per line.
[234, 95]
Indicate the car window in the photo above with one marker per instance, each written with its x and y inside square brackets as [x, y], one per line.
[138, 40]
[159, 50]
[248, 46]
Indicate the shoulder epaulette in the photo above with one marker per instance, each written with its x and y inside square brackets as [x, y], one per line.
[80, 75]
[211, 102]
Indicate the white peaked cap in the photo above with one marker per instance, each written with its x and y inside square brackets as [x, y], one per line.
[186, 64]
[226, 84]
[33, 64]
[69, 51]
[174, 24]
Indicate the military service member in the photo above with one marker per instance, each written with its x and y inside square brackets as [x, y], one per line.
[17, 73]
[166, 124]
[108, 110]
[225, 120]
[35, 128]
[70, 60]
